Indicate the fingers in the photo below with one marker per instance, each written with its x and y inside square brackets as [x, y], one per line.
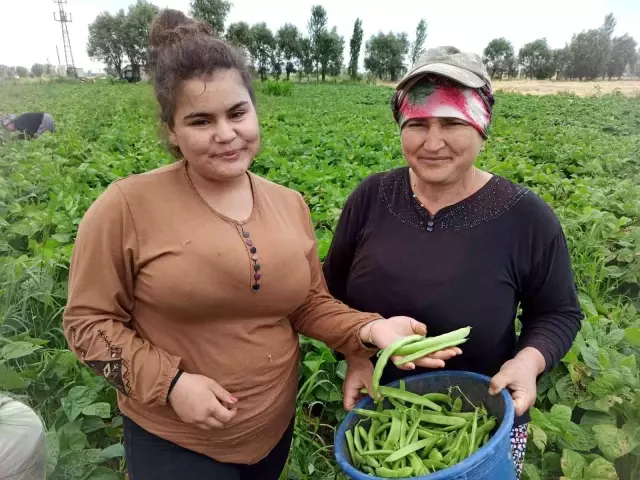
[210, 423]
[406, 366]
[220, 393]
[446, 354]
[427, 362]
[498, 383]
[418, 327]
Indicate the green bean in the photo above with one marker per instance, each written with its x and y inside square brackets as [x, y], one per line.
[426, 351]
[439, 419]
[439, 397]
[371, 434]
[402, 386]
[465, 415]
[394, 433]
[457, 405]
[453, 428]
[435, 455]
[409, 397]
[487, 427]
[351, 447]
[474, 430]
[369, 470]
[485, 440]
[403, 429]
[435, 464]
[384, 358]
[377, 453]
[414, 347]
[413, 447]
[389, 473]
[370, 413]
[416, 463]
[357, 441]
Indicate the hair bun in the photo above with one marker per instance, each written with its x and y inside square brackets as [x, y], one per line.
[172, 26]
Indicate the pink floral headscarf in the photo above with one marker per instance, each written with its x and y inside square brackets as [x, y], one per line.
[433, 96]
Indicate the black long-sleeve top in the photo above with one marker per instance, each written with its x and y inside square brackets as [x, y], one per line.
[472, 264]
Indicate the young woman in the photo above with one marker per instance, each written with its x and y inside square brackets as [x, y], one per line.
[190, 284]
[454, 246]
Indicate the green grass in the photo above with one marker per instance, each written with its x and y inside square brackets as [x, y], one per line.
[581, 154]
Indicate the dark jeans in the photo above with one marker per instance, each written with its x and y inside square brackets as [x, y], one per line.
[150, 457]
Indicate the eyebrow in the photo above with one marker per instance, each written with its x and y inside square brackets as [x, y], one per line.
[207, 114]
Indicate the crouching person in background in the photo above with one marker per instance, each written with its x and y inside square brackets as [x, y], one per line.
[29, 125]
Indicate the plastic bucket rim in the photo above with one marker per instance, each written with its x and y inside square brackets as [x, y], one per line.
[460, 468]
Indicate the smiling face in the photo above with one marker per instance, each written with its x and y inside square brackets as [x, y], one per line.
[440, 151]
[215, 125]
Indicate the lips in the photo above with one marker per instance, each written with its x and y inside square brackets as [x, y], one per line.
[229, 155]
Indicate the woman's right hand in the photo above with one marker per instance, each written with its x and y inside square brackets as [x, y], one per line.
[201, 401]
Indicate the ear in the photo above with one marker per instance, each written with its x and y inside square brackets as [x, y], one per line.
[173, 139]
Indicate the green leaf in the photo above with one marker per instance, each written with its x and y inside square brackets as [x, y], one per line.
[78, 398]
[590, 357]
[92, 424]
[112, 451]
[530, 472]
[560, 414]
[18, 349]
[573, 464]
[597, 418]
[102, 473]
[614, 337]
[566, 390]
[606, 384]
[577, 438]
[630, 362]
[61, 237]
[100, 409]
[53, 450]
[539, 437]
[632, 335]
[71, 437]
[588, 307]
[9, 379]
[612, 442]
[600, 469]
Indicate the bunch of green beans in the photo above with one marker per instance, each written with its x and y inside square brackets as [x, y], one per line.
[417, 434]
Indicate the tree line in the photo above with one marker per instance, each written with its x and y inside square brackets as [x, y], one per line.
[121, 38]
[590, 54]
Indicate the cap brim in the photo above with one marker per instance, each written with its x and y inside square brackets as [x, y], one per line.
[457, 74]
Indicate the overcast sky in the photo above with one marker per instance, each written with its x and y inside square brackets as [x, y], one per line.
[30, 34]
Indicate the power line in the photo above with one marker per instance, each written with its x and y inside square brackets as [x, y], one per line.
[64, 18]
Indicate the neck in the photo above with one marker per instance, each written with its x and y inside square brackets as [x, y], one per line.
[436, 197]
[213, 188]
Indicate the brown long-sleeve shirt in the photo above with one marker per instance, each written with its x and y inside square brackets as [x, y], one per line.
[159, 281]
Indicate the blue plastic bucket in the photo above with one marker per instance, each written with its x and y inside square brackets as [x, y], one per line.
[491, 462]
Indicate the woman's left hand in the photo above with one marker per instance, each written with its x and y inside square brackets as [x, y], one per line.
[384, 332]
[520, 375]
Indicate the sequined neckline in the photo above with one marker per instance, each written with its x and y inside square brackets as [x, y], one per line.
[492, 200]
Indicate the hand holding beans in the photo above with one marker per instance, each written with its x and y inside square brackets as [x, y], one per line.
[201, 401]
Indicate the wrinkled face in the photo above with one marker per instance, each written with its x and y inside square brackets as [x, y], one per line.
[215, 125]
[440, 151]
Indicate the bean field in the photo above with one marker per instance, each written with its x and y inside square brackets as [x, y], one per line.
[582, 155]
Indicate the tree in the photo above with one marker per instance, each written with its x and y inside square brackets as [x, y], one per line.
[7, 71]
[330, 48]
[135, 33]
[106, 42]
[499, 57]
[214, 12]
[305, 58]
[37, 70]
[385, 54]
[537, 59]
[22, 72]
[417, 48]
[49, 69]
[589, 54]
[262, 48]
[317, 25]
[288, 39]
[355, 45]
[562, 61]
[623, 54]
[607, 28]
[239, 34]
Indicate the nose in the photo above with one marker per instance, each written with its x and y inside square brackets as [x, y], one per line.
[224, 132]
[433, 139]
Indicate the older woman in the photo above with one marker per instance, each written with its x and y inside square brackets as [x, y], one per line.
[451, 245]
[189, 284]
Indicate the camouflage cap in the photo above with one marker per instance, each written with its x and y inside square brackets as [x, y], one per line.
[463, 67]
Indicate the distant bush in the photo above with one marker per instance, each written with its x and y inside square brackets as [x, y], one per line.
[277, 89]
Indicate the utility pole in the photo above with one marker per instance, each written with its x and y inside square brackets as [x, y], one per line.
[64, 18]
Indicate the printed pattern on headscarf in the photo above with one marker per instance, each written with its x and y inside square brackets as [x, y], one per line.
[434, 96]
